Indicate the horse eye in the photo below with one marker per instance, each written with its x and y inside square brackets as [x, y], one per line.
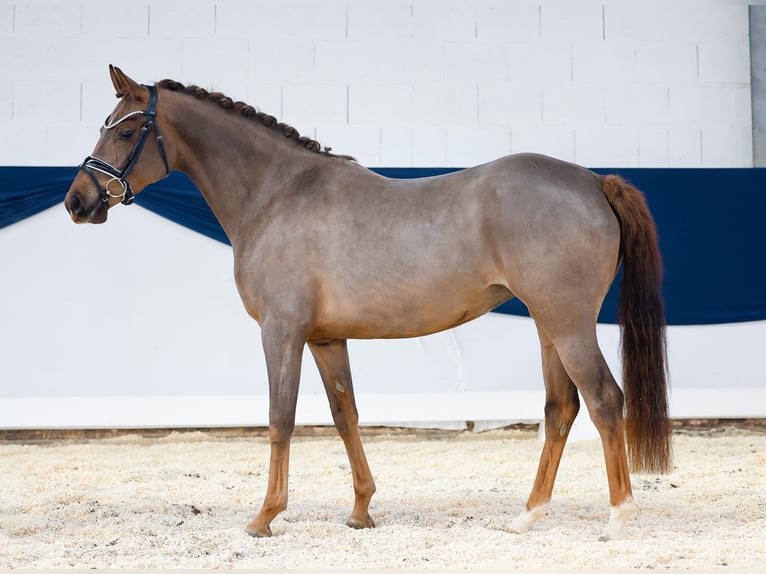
[125, 134]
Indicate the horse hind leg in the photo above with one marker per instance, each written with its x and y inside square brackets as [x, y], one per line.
[562, 404]
[332, 361]
[581, 357]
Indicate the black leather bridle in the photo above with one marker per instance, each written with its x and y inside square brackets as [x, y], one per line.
[93, 164]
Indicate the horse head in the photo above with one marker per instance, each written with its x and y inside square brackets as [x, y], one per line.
[124, 137]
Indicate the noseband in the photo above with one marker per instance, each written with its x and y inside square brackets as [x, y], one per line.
[93, 164]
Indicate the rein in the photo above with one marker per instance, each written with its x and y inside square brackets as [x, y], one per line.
[93, 164]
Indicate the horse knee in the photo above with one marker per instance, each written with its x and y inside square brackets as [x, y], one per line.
[566, 406]
[281, 431]
[561, 411]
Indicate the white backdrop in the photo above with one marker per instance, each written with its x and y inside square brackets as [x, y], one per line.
[137, 323]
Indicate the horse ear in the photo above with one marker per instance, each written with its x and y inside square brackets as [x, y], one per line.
[125, 87]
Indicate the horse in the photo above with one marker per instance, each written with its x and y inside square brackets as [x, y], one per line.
[326, 250]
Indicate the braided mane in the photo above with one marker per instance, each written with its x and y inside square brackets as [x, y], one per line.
[248, 112]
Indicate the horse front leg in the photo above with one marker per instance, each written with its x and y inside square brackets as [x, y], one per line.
[332, 361]
[283, 351]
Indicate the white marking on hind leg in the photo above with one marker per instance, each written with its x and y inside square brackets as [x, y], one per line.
[524, 521]
[618, 517]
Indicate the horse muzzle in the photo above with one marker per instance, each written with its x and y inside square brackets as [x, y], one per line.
[82, 211]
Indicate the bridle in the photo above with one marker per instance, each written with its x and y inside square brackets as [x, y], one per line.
[93, 164]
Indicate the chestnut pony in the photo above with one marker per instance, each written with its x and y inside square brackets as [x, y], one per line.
[326, 250]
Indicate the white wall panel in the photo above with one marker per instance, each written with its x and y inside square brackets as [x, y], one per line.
[445, 104]
[595, 62]
[429, 146]
[653, 147]
[445, 20]
[285, 62]
[572, 21]
[725, 61]
[710, 105]
[214, 60]
[507, 21]
[47, 19]
[599, 62]
[60, 139]
[475, 145]
[633, 22]
[310, 104]
[25, 58]
[724, 146]
[540, 63]
[33, 103]
[554, 141]
[410, 61]
[6, 102]
[703, 19]
[7, 18]
[182, 18]
[114, 19]
[581, 105]
[23, 144]
[395, 146]
[382, 21]
[637, 105]
[476, 61]
[607, 144]
[381, 104]
[509, 104]
[668, 63]
[290, 20]
[685, 146]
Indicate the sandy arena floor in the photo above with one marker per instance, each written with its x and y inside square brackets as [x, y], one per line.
[444, 500]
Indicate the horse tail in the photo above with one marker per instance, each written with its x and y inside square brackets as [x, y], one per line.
[641, 316]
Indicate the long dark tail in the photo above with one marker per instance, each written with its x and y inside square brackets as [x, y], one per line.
[641, 315]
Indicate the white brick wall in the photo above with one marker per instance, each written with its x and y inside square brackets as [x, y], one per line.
[400, 82]
[47, 19]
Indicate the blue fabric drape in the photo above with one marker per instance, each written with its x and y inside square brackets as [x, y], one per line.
[710, 223]
[25, 191]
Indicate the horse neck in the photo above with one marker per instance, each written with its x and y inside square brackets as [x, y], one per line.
[228, 157]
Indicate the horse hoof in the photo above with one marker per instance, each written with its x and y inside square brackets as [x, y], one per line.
[520, 524]
[359, 524]
[258, 531]
[618, 517]
[524, 521]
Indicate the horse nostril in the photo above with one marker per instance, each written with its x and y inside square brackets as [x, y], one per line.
[74, 205]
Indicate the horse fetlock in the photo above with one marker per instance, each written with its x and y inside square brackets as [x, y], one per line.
[365, 490]
[260, 525]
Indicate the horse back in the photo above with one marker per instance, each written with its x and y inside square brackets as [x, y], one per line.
[376, 257]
